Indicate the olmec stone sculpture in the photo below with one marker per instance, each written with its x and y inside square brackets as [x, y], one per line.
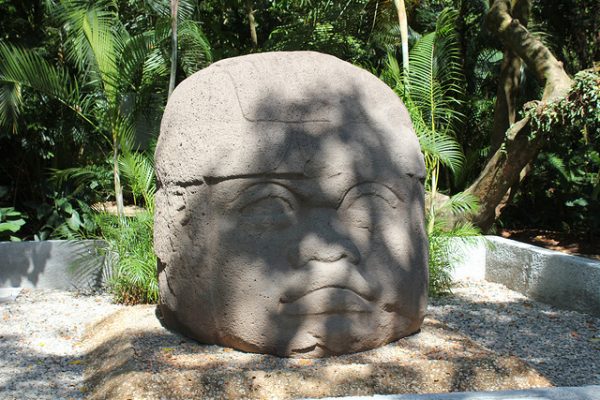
[289, 212]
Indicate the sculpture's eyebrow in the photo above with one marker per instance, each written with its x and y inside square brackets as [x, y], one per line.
[213, 180]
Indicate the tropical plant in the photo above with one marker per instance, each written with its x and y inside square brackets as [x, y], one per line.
[332, 27]
[131, 276]
[106, 58]
[188, 47]
[444, 235]
[63, 216]
[565, 183]
[120, 82]
[11, 222]
[432, 92]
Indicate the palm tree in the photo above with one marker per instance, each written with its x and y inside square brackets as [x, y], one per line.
[431, 91]
[118, 77]
[107, 60]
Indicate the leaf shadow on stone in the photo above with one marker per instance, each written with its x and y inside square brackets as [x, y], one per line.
[287, 160]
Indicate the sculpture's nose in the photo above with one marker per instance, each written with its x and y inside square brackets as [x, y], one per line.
[327, 241]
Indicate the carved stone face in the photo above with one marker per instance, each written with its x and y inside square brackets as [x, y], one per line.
[290, 208]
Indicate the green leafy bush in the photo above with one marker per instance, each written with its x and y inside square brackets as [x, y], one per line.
[443, 235]
[63, 217]
[11, 222]
[562, 189]
[130, 274]
[132, 278]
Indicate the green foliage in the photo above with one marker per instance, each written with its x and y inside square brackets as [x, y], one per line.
[195, 50]
[11, 221]
[138, 171]
[442, 242]
[435, 79]
[444, 235]
[432, 92]
[331, 27]
[64, 217]
[578, 111]
[131, 274]
[564, 186]
[114, 81]
[66, 211]
[133, 277]
[573, 27]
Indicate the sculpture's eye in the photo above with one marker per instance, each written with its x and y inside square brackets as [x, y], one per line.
[368, 205]
[267, 206]
[270, 205]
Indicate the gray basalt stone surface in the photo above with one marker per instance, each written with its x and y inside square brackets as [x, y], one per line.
[289, 211]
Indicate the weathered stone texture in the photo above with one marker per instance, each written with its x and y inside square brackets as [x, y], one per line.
[289, 212]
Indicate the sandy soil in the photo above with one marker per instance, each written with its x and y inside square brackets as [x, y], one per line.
[131, 356]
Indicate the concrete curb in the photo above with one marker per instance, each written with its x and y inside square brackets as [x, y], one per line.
[559, 393]
[555, 278]
[52, 264]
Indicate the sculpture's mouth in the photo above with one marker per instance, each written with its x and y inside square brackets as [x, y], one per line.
[330, 299]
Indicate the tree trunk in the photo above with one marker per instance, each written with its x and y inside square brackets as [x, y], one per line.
[252, 24]
[518, 148]
[117, 178]
[403, 22]
[174, 9]
[509, 84]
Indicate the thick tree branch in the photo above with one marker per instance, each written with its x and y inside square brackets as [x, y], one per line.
[518, 148]
[509, 83]
[538, 57]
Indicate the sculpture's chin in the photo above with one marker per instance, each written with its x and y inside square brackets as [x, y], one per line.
[316, 336]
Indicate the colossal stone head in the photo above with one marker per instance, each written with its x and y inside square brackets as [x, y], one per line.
[289, 211]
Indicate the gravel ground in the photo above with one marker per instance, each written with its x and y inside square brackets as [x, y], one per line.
[40, 343]
[41, 353]
[562, 345]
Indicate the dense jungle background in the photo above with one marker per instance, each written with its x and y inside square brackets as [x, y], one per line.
[504, 95]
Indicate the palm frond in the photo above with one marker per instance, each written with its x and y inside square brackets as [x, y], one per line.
[94, 176]
[94, 41]
[442, 147]
[460, 204]
[185, 10]
[11, 102]
[486, 64]
[20, 67]
[435, 76]
[196, 52]
[558, 164]
[138, 170]
[392, 74]
[133, 60]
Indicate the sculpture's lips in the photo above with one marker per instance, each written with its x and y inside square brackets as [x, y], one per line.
[331, 299]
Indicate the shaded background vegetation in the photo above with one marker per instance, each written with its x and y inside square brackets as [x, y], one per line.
[56, 165]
